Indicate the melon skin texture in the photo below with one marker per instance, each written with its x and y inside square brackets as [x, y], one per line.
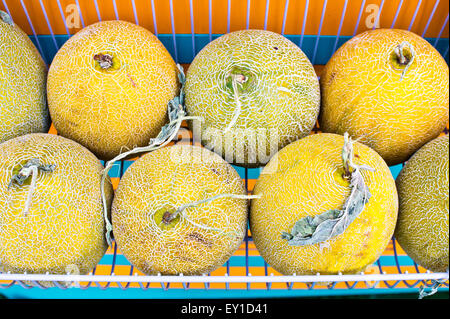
[167, 178]
[64, 230]
[23, 101]
[364, 94]
[277, 101]
[305, 179]
[110, 110]
[423, 222]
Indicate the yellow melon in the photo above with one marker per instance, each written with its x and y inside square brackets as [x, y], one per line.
[256, 92]
[423, 220]
[51, 217]
[308, 178]
[388, 87]
[109, 86]
[153, 230]
[23, 73]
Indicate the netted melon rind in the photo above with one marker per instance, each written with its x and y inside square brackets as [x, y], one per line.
[364, 93]
[64, 229]
[110, 111]
[168, 178]
[23, 100]
[305, 179]
[423, 223]
[280, 98]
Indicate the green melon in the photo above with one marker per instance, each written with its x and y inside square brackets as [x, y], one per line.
[422, 228]
[256, 92]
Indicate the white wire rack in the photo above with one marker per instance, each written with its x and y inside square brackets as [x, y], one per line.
[400, 278]
[246, 269]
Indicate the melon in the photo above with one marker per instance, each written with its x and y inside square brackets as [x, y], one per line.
[179, 210]
[23, 101]
[109, 86]
[307, 180]
[51, 213]
[390, 89]
[423, 220]
[256, 92]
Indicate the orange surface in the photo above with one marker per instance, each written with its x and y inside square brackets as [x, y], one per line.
[238, 15]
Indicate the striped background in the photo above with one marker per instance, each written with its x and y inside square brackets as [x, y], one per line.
[221, 16]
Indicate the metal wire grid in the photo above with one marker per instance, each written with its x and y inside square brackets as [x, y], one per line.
[268, 280]
[409, 280]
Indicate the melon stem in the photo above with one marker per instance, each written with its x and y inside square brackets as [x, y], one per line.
[236, 79]
[433, 289]
[347, 155]
[318, 229]
[104, 60]
[181, 209]
[34, 172]
[31, 168]
[402, 59]
[167, 218]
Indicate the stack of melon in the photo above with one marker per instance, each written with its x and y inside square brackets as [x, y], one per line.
[324, 203]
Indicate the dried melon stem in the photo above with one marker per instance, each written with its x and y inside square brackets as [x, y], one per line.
[6, 18]
[181, 210]
[320, 228]
[433, 289]
[177, 114]
[163, 219]
[105, 61]
[236, 79]
[403, 59]
[167, 217]
[31, 168]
